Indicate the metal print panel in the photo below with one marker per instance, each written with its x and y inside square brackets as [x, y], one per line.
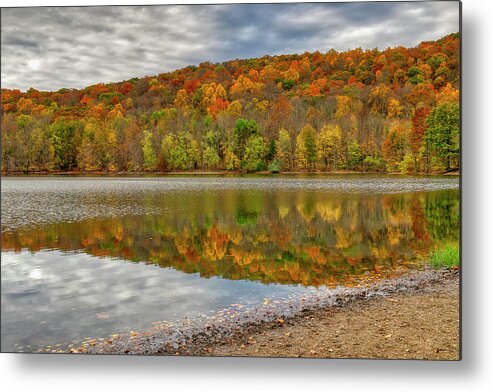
[232, 180]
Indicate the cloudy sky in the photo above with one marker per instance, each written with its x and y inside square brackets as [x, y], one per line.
[50, 48]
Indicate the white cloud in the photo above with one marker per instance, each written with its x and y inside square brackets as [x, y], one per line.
[49, 48]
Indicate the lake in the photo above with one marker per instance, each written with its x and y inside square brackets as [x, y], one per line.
[90, 256]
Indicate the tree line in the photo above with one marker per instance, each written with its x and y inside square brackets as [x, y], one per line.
[395, 110]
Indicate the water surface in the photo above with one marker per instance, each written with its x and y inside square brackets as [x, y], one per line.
[86, 257]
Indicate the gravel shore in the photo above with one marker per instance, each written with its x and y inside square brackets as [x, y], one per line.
[421, 325]
[415, 316]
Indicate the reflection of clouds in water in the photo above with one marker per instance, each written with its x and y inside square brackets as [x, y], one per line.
[61, 301]
[326, 239]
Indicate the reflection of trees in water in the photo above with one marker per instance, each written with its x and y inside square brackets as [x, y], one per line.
[442, 218]
[309, 238]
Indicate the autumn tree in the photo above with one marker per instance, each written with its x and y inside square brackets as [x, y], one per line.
[306, 148]
[86, 154]
[379, 99]
[9, 142]
[284, 150]
[394, 109]
[231, 160]
[329, 147]
[279, 115]
[417, 135]
[394, 145]
[204, 116]
[148, 149]
[448, 94]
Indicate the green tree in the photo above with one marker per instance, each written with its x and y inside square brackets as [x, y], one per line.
[181, 152]
[371, 163]
[210, 155]
[271, 150]
[9, 144]
[255, 150]
[288, 84]
[22, 154]
[42, 151]
[354, 155]
[243, 130]
[167, 146]
[415, 75]
[66, 137]
[192, 148]
[442, 134]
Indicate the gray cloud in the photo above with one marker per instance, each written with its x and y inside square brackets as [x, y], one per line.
[53, 47]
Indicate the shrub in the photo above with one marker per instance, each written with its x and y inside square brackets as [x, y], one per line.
[374, 164]
[407, 165]
[275, 167]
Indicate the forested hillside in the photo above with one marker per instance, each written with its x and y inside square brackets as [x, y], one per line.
[363, 110]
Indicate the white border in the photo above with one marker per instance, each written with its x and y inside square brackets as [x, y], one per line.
[76, 373]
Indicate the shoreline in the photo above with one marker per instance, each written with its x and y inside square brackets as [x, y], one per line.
[422, 325]
[215, 173]
[275, 329]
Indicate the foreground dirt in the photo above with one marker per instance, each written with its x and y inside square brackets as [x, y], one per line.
[415, 316]
[422, 325]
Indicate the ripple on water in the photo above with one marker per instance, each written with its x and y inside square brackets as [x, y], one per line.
[28, 201]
